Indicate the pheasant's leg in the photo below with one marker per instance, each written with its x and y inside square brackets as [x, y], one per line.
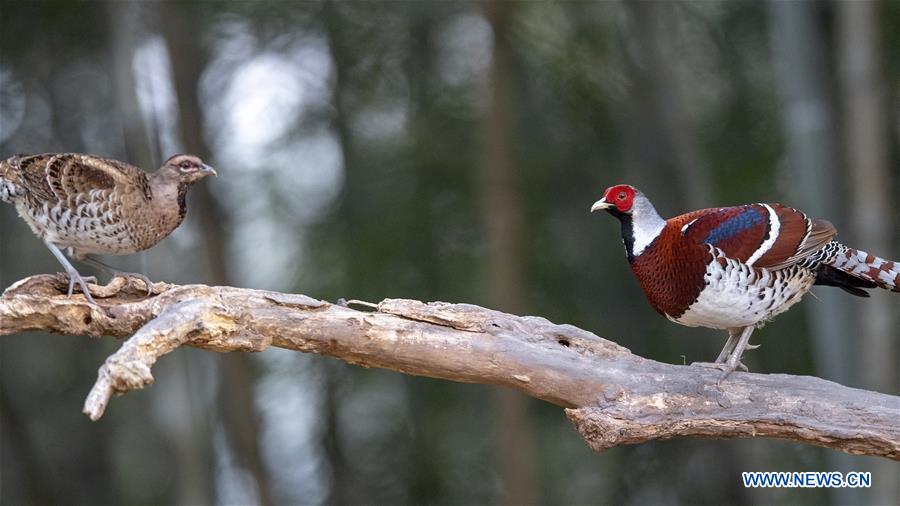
[734, 360]
[112, 271]
[74, 277]
[729, 346]
[726, 351]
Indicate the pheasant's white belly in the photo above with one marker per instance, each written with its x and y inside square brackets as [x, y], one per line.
[737, 295]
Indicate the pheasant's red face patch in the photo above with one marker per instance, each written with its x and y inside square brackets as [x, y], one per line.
[621, 196]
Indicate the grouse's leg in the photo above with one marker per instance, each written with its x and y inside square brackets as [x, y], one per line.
[112, 271]
[74, 277]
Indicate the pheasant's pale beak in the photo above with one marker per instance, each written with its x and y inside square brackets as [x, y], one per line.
[600, 205]
[209, 170]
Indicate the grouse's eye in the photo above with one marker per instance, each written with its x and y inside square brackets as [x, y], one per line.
[621, 196]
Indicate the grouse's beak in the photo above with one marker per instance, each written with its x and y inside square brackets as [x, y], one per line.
[600, 205]
[209, 170]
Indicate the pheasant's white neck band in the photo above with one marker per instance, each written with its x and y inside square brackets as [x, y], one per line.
[646, 224]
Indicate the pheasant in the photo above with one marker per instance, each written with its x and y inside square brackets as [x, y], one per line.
[735, 268]
[91, 205]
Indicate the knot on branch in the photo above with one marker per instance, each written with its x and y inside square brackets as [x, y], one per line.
[603, 430]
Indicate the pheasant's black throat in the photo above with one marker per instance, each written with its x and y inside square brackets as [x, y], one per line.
[627, 231]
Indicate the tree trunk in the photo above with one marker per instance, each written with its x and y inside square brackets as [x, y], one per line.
[661, 112]
[503, 218]
[332, 442]
[235, 393]
[866, 149]
[798, 46]
[123, 27]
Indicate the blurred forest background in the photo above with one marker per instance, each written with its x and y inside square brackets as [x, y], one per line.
[441, 151]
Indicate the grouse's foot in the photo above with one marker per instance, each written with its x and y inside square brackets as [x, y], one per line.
[82, 281]
[131, 276]
[74, 277]
[112, 271]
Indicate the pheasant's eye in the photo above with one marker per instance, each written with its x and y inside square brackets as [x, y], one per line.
[621, 196]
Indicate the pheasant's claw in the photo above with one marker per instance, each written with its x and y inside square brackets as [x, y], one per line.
[729, 368]
[753, 346]
[726, 368]
[710, 365]
[725, 373]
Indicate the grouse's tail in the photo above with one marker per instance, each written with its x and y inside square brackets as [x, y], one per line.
[8, 189]
[853, 269]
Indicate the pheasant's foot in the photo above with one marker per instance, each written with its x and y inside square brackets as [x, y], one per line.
[725, 373]
[734, 359]
[710, 365]
[724, 367]
[82, 281]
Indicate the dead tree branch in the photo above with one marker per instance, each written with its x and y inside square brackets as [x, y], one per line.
[612, 396]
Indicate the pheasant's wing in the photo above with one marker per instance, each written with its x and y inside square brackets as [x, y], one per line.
[737, 231]
[797, 236]
[58, 177]
[763, 235]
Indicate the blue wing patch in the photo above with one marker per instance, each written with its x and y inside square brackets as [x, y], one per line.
[734, 225]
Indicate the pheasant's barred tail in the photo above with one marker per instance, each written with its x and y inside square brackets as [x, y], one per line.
[859, 264]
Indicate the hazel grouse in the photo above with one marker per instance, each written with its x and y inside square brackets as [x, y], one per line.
[90, 205]
[734, 268]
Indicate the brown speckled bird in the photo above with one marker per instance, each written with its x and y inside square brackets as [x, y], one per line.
[91, 205]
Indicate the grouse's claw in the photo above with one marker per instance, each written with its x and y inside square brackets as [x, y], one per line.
[82, 281]
[130, 277]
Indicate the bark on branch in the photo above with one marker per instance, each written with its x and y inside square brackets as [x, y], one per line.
[611, 395]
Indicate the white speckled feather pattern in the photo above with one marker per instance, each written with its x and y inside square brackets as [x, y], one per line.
[737, 295]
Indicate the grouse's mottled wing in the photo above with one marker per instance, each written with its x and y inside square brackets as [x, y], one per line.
[57, 177]
[763, 235]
